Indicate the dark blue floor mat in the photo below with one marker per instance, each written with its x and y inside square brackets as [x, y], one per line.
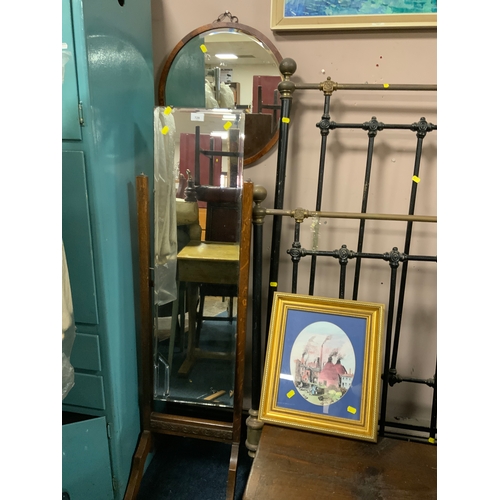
[191, 469]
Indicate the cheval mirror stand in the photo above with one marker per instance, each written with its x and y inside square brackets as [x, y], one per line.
[153, 422]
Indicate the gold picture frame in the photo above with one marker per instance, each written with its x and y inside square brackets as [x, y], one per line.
[280, 21]
[323, 365]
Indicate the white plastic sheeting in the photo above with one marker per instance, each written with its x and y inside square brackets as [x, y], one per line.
[165, 224]
[68, 329]
[226, 99]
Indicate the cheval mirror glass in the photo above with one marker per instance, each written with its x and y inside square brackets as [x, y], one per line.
[227, 65]
[197, 219]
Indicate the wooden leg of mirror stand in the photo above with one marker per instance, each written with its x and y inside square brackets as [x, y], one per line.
[245, 236]
[138, 462]
[233, 466]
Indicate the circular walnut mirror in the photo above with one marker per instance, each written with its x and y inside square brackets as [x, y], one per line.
[227, 65]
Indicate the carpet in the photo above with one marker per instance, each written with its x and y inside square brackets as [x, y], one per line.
[207, 375]
[192, 469]
[188, 468]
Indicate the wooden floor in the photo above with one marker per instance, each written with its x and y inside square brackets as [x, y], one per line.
[292, 464]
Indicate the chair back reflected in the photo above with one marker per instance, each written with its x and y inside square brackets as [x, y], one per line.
[222, 225]
[223, 206]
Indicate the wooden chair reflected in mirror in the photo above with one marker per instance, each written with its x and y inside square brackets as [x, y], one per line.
[222, 226]
[210, 268]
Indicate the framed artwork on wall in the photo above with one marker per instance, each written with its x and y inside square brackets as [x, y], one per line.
[352, 14]
[323, 365]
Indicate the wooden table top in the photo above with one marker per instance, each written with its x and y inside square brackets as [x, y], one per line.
[210, 251]
[209, 262]
[293, 464]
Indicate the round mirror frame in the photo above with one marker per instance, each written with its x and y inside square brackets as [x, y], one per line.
[209, 27]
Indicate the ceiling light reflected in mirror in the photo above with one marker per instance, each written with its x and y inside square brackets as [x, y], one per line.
[213, 59]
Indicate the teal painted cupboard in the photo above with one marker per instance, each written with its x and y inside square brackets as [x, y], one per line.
[107, 139]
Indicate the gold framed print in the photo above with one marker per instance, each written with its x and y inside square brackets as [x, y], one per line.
[323, 364]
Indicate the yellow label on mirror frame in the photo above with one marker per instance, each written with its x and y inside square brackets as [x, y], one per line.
[285, 120]
[203, 48]
[415, 179]
[386, 85]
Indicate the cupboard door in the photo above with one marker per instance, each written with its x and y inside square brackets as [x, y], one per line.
[70, 97]
[77, 237]
[86, 468]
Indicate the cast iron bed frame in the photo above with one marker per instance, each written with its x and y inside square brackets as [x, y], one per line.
[397, 260]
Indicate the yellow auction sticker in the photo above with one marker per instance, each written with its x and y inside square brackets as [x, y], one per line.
[290, 394]
[167, 111]
[415, 179]
[285, 120]
[352, 410]
[203, 48]
[165, 130]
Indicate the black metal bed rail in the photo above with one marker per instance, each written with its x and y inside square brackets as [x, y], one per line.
[397, 261]
[393, 257]
[286, 88]
[422, 127]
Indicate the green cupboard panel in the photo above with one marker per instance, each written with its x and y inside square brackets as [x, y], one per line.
[88, 391]
[185, 86]
[70, 99]
[86, 354]
[86, 469]
[77, 237]
[115, 84]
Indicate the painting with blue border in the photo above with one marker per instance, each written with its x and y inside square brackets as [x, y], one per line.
[322, 364]
[318, 8]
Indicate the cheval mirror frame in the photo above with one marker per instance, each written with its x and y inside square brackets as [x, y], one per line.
[163, 423]
[218, 24]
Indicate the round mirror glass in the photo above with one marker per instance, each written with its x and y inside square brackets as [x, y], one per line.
[229, 66]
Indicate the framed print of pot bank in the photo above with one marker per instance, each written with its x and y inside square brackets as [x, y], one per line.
[352, 14]
[323, 365]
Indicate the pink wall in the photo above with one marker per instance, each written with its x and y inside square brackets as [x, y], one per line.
[375, 57]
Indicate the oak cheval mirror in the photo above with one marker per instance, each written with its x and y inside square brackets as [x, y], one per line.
[194, 309]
